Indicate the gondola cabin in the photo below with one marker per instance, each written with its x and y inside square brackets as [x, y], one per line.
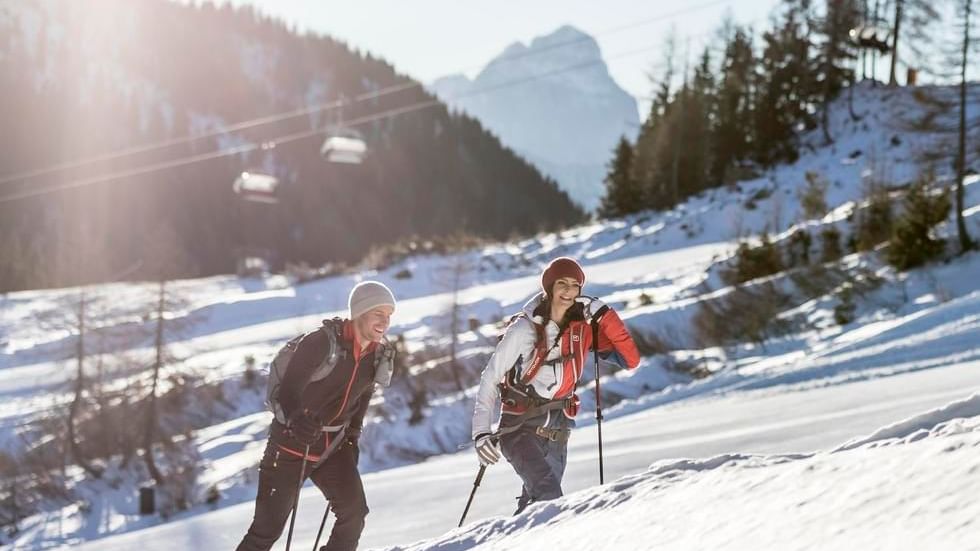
[257, 187]
[871, 37]
[343, 149]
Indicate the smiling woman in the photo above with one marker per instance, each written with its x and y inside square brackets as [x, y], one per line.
[534, 374]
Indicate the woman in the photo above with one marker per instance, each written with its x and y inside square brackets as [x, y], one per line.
[534, 373]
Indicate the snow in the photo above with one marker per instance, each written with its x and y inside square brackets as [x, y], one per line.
[923, 425]
[881, 493]
[425, 500]
[797, 444]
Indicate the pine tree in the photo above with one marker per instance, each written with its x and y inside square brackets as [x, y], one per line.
[785, 85]
[674, 156]
[645, 170]
[913, 243]
[699, 117]
[830, 249]
[732, 136]
[813, 196]
[624, 195]
[874, 221]
[835, 54]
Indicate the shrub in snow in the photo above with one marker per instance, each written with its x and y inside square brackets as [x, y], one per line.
[845, 308]
[179, 460]
[648, 342]
[688, 366]
[303, 273]
[212, 496]
[813, 196]
[753, 262]
[798, 248]
[249, 375]
[874, 221]
[817, 280]
[747, 313]
[913, 243]
[386, 255]
[830, 249]
[15, 503]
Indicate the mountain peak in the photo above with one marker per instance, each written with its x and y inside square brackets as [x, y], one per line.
[567, 43]
[517, 48]
[565, 35]
[558, 107]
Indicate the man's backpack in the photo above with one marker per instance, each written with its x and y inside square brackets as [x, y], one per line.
[333, 328]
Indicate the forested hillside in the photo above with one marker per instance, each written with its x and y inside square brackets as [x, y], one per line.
[116, 75]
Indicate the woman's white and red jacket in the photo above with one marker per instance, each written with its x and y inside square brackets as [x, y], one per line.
[554, 376]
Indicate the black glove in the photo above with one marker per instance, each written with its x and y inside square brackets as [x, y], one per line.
[304, 427]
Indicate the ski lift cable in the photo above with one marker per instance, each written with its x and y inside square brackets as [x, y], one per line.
[263, 144]
[328, 106]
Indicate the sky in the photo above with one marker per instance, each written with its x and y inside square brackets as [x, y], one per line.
[427, 39]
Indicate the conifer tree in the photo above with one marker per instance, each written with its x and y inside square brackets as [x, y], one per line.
[785, 85]
[835, 54]
[623, 193]
[913, 243]
[645, 171]
[732, 136]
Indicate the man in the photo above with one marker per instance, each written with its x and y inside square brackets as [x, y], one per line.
[320, 405]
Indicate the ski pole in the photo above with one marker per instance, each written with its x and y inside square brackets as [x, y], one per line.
[476, 484]
[322, 523]
[598, 389]
[299, 488]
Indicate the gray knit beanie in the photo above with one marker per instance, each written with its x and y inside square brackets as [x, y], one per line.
[367, 295]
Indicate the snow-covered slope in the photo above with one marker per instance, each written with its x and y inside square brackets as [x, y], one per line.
[565, 121]
[912, 345]
[910, 486]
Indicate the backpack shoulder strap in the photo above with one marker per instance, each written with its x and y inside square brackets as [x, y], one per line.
[333, 329]
[384, 363]
[514, 377]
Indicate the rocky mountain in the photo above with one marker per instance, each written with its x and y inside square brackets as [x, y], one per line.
[554, 102]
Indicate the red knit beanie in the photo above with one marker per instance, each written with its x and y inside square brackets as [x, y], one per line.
[558, 268]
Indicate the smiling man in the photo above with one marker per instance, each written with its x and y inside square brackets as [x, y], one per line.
[320, 387]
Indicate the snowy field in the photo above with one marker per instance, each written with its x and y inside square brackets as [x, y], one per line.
[753, 456]
[910, 486]
[766, 428]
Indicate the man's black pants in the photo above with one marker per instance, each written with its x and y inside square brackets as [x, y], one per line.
[337, 478]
